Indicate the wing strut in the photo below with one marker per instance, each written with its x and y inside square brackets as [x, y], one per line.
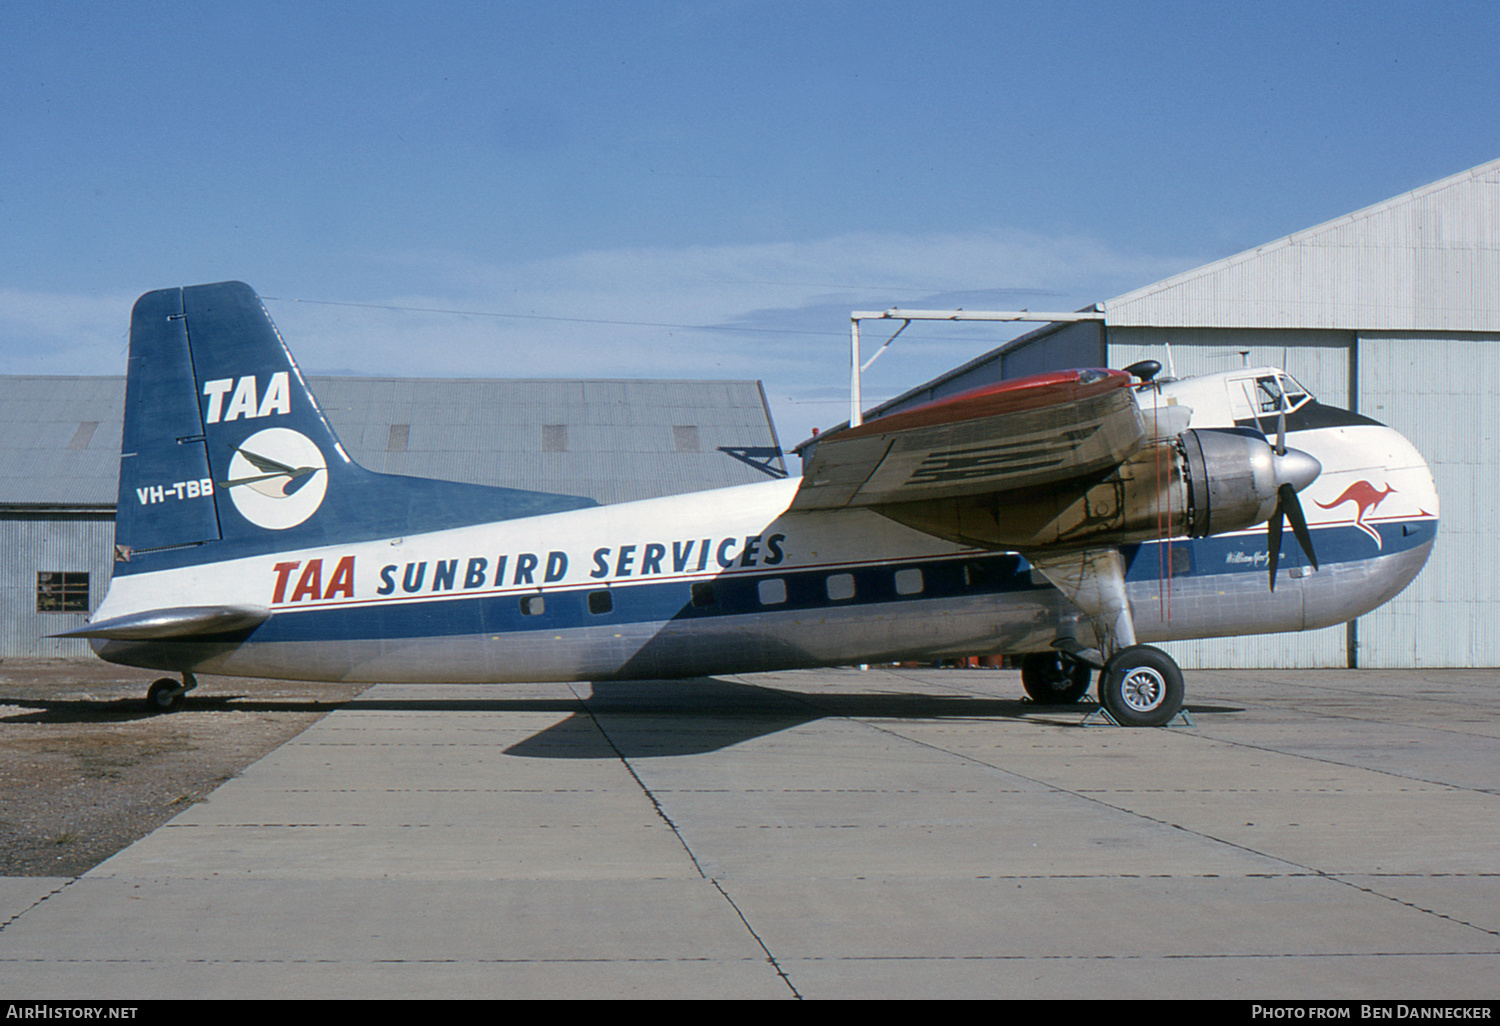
[1094, 580]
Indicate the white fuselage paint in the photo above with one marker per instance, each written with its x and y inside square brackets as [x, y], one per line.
[788, 589]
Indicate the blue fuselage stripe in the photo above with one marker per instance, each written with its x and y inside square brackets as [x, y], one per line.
[805, 590]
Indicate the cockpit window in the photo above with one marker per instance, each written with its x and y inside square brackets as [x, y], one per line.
[1270, 389]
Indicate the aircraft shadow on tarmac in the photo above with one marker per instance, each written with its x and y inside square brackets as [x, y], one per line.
[630, 719]
[123, 710]
[689, 717]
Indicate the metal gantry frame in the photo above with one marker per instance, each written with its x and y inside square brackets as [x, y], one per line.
[857, 369]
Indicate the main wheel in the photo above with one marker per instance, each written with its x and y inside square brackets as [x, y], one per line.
[1141, 686]
[1051, 678]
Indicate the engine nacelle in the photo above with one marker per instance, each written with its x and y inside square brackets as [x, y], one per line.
[1231, 480]
[1202, 482]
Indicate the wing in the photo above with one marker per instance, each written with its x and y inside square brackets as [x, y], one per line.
[1043, 430]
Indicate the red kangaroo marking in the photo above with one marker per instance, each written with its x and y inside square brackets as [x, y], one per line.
[1366, 498]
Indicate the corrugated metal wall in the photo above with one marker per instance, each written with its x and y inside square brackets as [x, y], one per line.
[1071, 345]
[612, 440]
[46, 543]
[1440, 392]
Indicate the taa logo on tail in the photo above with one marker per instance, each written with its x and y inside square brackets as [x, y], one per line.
[277, 478]
[244, 402]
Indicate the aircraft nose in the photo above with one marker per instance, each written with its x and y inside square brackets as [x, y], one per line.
[1296, 468]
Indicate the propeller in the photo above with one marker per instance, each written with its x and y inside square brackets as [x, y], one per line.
[1290, 507]
[1295, 470]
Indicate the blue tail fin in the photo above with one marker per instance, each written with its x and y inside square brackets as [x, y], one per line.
[226, 453]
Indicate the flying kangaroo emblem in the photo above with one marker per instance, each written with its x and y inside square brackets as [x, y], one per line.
[1366, 498]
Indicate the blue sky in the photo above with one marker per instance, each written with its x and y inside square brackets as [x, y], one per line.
[688, 189]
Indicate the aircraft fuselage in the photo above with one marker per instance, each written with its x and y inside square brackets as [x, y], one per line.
[728, 581]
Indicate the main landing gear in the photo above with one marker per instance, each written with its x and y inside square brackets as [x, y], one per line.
[1139, 686]
[166, 694]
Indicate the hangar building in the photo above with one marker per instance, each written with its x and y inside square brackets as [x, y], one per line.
[1392, 311]
[612, 440]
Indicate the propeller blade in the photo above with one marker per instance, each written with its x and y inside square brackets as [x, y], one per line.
[1273, 541]
[1287, 499]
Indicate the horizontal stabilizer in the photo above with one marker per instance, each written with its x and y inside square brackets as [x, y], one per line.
[180, 622]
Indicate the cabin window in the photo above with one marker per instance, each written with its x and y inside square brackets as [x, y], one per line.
[601, 602]
[533, 605]
[975, 575]
[909, 581]
[60, 591]
[772, 591]
[703, 595]
[840, 587]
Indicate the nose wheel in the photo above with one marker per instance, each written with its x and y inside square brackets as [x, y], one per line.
[166, 694]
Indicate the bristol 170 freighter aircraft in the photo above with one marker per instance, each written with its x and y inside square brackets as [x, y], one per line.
[1066, 518]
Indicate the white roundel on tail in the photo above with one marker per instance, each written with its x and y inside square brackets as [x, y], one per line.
[277, 478]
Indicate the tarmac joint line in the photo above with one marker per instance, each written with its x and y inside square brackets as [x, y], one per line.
[770, 957]
[55, 891]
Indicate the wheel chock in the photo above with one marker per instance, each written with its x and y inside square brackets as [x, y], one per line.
[1100, 717]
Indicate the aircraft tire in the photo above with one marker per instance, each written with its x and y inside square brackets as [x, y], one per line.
[1052, 679]
[1141, 686]
[164, 695]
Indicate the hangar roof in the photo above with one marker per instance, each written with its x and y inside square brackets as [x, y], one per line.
[612, 440]
[1427, 260]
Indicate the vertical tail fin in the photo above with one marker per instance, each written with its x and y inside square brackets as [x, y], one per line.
[222, 439]
[225, 449]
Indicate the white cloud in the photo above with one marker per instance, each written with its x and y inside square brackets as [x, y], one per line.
[774, 311]
[63, 333]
